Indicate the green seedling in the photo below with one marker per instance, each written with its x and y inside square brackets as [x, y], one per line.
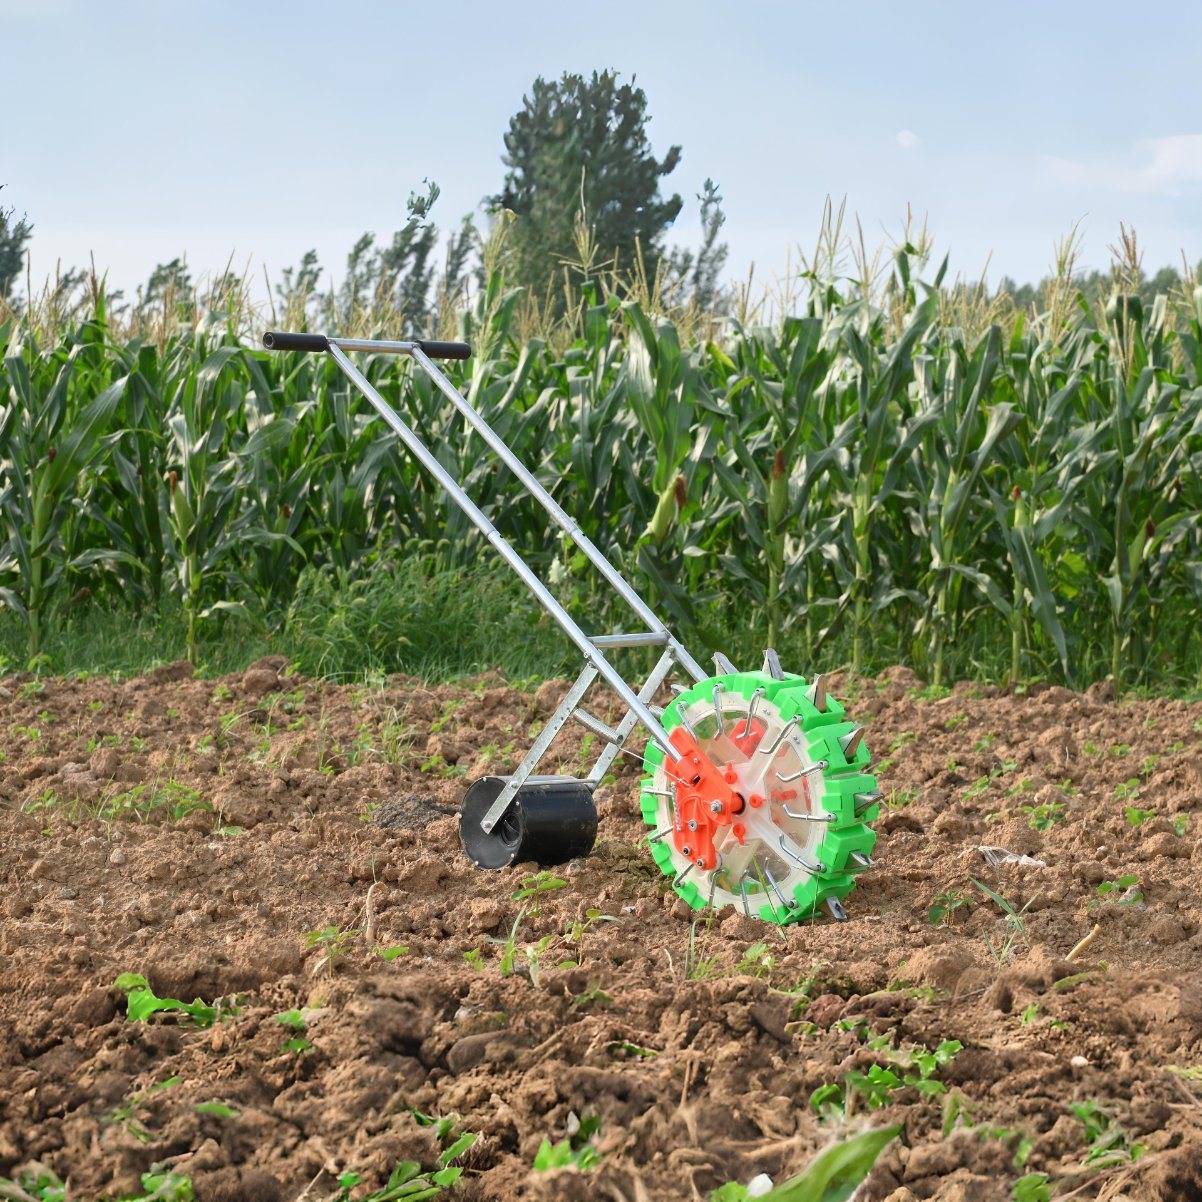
[219, 1109]
[834, 1175]
[576, 1151]
[957, 1114]
[534, 955]
[900, 798]
[1042, 817]
[408, 1181]
[391, 953]
[1033, 1187]
[1123, 892]
[696, 966]
[594, 995]
[1108, 1144]
[333, 942]
[621, 1049]
[296, 1044]
[542, 882]
[472, 958]
[1015, 926]
[1128, 791]
[918, 1069]
[1190, 1072]
[127, 1117]
[509, 944]
[1137, 817]
[757, 961]
[944, 906]
[141, 1003]
[37, 1183]
[166, 799]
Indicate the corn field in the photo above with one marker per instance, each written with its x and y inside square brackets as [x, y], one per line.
[860, 479]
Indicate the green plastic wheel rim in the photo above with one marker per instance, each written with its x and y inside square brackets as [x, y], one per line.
[820, 733]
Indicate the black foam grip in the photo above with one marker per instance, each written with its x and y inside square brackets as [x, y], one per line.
[446, 350]
[273, 340]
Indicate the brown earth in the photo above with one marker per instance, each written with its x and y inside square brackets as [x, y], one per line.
[238, 815]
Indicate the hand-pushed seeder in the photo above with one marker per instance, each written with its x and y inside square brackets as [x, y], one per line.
[757, 785]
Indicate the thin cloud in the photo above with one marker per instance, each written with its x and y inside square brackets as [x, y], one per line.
[1155, 166]
[907, 139]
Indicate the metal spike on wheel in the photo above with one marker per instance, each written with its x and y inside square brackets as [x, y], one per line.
[765, 808]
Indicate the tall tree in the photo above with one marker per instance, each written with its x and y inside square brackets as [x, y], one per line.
[579, 148]
[13, 236]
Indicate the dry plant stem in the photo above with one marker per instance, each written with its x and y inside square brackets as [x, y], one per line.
[1086, 943]
[369, 926]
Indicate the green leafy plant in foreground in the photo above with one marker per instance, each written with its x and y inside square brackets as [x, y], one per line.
[141, 1002]
[1123, 892]
[833, 1175]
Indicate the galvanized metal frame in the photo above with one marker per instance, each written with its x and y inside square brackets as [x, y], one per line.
[591, 647]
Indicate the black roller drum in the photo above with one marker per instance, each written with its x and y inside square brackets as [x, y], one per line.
[548, 822]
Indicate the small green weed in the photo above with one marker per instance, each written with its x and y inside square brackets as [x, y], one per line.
[1042, 817]
[141, 1003]
[128, 1115]
[944, 906]
[577, 1150]
[542, 882]
[333, 942]
[408, 1180]
[1108, 1143]
[1123, 892]
[1015, 926]
[1033, 1187]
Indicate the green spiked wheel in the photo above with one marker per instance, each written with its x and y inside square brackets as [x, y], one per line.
[798, 771]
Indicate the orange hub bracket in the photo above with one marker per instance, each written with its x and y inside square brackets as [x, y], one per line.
[705, 801]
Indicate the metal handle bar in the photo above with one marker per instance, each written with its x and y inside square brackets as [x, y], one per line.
[275, 340]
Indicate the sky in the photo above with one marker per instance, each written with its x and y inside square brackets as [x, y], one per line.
[136, 131]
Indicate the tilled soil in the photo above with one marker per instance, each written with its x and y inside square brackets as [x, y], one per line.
[195, 831]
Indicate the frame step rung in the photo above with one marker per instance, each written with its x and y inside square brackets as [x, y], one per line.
[598, 727]
[643, 638]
